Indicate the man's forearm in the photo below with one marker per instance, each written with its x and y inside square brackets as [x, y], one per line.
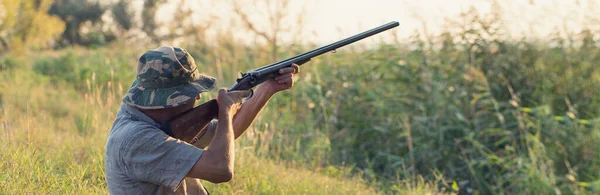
[250, 109]
[216, 163]
[222, 145]
[224, 137]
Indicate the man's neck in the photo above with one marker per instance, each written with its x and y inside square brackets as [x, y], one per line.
[159, 118]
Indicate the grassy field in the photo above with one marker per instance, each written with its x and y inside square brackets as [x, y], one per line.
[58, 107]
[466, 111]
[53, 143]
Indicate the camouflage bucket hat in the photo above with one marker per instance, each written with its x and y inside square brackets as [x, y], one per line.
[166, 77]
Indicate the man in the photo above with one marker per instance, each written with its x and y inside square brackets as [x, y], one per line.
[141, 159]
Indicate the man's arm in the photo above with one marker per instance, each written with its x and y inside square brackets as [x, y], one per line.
[216, 163]
[250, 109]
[263, 93]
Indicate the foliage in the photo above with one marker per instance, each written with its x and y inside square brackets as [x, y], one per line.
[25, 24]
[79, 70]
[492, 115]
[122, 14]
[9, 62]
[75, 13]
[150, 26]
[47, 23]
[468, 109]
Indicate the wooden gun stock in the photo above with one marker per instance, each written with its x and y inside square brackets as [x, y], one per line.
[190, 126]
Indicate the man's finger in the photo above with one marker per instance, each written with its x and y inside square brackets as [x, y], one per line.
[241, 93]
[296, 68]
[286, 70]
[292, 69]
[285, 81]
[283, 77]
[222, 91]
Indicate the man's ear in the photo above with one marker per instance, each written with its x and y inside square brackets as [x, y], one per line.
[198, 97]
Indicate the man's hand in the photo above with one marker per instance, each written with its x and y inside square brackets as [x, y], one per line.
[250, 109]
[230, 102]
[283, 81]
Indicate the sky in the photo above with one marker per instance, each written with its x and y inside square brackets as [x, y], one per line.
[330, 20]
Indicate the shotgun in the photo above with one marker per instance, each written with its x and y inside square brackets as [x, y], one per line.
[189, 125]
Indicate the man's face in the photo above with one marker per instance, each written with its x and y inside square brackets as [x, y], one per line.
[190, 105]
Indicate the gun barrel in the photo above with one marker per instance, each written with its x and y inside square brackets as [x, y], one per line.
[332, 46]
[349, 40]
[259, 75]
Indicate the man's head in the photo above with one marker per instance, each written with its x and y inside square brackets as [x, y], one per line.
[166, 77]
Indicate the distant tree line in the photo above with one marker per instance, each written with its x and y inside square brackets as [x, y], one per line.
[39, 24]
[53, 24]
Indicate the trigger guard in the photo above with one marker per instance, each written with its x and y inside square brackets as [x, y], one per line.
[251, 93]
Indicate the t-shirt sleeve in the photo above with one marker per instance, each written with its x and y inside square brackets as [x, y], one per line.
[153, 156]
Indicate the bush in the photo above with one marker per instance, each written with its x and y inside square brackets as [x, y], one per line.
[93, 67]
[63, 68]
[9, 62]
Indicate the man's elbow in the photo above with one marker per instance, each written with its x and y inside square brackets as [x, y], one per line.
[228, 175]
[224, 176]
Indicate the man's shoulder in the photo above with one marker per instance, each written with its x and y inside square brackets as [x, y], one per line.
[126, 131]
[140, 153]
[126, 127]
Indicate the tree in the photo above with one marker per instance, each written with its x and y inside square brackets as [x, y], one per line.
[26, 24]
[278, 22]
[122, 15]
[75, 13]
[149, 18]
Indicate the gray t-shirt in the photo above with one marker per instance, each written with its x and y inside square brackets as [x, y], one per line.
[142, 159]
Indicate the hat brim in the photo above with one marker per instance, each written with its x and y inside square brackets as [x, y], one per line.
[158, 98]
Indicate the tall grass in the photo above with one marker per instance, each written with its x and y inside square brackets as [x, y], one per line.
[468, 109]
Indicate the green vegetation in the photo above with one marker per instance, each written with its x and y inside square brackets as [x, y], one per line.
[26, 24]
[467, 111]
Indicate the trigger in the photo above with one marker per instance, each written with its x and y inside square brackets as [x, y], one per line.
[251, 93]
